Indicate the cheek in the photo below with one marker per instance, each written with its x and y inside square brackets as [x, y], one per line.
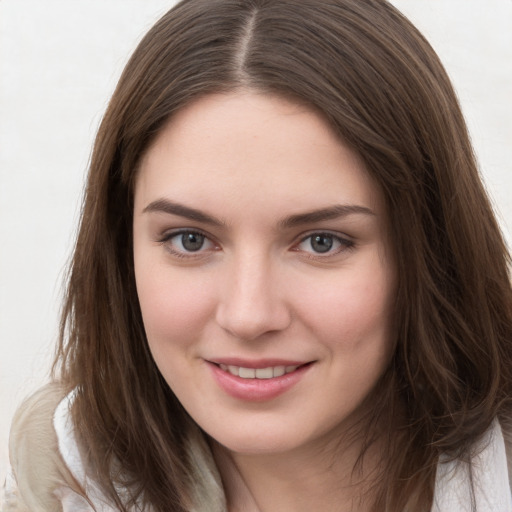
[351, 311]
[174, 308]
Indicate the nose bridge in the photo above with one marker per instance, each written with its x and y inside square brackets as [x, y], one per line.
[252, 303]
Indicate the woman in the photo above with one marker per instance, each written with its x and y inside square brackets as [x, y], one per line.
[289, 290]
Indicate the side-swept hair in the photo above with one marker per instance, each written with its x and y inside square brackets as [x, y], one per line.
[380, 85]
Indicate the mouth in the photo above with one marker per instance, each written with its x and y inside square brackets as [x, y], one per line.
[258, 381]
[268, 372]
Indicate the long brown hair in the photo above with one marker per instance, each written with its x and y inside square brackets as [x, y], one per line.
[382, 88]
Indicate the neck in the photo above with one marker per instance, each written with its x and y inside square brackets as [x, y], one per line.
[321, 477]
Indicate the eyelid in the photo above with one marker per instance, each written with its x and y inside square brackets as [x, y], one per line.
[169, 233]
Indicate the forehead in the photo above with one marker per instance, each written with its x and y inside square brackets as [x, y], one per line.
[248, 147]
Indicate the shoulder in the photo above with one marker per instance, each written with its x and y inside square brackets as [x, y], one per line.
[506, 424]
[40, 475]
[485, 482]
[49, 473]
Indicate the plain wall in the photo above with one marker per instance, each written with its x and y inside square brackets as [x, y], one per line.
[59, 62]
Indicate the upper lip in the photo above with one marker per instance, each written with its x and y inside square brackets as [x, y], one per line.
[256, 363]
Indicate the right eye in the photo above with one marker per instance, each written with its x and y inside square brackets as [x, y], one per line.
[187, 242]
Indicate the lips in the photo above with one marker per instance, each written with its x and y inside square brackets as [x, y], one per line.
[257, 380]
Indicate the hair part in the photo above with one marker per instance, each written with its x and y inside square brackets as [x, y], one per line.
[381, 87]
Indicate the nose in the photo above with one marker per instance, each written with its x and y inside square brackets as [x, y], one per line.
[252, 302]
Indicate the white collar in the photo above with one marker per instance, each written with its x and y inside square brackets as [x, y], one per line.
[69, 451]
[489, 474]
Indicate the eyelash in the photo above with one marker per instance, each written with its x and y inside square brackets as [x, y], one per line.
[345, 244]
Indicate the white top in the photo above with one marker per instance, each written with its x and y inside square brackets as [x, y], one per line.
[68, 447]
[452, 491]
[490, 477]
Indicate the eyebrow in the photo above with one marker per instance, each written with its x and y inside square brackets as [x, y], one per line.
[172, 208]
[329, 213]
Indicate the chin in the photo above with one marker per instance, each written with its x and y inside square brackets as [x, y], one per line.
[252, 446]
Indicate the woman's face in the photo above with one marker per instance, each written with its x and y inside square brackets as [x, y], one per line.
[263, 272]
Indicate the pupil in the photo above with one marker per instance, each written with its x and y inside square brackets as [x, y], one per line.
[192, 241]
[321, 243]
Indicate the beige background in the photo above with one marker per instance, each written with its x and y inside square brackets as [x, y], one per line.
[59, 62]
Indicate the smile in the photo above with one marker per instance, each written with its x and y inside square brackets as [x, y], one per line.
[258, 373]
[258, 381]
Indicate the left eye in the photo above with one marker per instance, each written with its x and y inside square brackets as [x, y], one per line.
[322, 243]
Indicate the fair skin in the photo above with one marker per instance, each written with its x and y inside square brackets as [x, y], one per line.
[266, 287]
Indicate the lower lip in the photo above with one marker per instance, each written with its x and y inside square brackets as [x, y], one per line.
[257, 390]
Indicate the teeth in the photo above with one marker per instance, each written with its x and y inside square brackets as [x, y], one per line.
[279, 370]
[246, 373]
[258, 373]
[264, 373]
